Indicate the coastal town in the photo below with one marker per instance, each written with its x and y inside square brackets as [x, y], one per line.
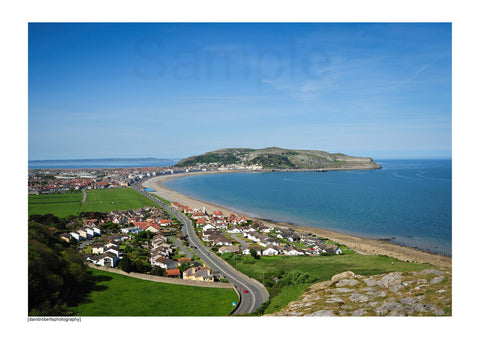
[168, 249]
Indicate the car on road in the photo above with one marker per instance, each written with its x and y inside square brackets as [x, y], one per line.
[245, 291]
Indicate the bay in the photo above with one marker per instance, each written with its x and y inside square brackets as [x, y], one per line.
[407, 201]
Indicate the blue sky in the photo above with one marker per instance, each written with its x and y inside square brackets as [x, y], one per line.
[174, 90]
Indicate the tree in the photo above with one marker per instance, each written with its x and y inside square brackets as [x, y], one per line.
[157, 270]
[126, 264]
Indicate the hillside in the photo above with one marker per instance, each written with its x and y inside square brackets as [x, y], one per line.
[424, 293]
[278, 158]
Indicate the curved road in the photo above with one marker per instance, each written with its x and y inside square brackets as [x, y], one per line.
[249, 302]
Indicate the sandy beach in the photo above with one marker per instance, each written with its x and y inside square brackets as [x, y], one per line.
[360, 245]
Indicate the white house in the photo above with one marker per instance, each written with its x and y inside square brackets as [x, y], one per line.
[246, 251]
[108, 259]
[90, 233]
[271, 250]
[76, 236]
[208, 227]
[235, 229]
[164, 263]
[292, 250]
[97, 230]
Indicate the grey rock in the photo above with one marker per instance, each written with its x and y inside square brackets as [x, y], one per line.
[372, 282]
[359, 312]
[357, 297]
[387, 308]
[393, 281]
[321, 313]
[408, 300]
[436, 280]
[334, 300]
[432, 271]
[424, 307]
[347, 282]
[342, 290]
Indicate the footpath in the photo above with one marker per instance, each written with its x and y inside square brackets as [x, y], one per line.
[166, 280]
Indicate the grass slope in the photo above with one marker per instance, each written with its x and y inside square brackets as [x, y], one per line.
[104, 200]
[117, 295]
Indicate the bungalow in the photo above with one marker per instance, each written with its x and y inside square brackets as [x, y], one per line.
[229, 249]
[165, 222]
[175, 273]
[265, 241]
[164, 263]
[329, 248]
[271, 250]
[221, 240]
[208, 227]
[265, 229]
[292, 250]
[247, 229]
[254, 236]
[235, 229]
[293, 237]
[246, 251]
[311, 251]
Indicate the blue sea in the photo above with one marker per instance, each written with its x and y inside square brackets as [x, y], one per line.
[407, 201]
[101, 163]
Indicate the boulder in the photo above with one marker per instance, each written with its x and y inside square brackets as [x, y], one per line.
[341, 276]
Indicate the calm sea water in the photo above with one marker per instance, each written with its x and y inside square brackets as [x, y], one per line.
[101, 163]
[408, 201]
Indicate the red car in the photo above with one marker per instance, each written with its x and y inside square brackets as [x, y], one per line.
[245, 291]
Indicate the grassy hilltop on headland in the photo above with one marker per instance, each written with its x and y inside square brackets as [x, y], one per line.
[279, 158]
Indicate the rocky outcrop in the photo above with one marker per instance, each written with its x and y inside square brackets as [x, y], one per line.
[424, 293]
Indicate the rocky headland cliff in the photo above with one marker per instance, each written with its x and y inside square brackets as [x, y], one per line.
[279, 158]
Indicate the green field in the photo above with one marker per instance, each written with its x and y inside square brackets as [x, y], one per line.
[104, 200]
[113, 199]
[60, 205]
[321, 267]
[118, 295]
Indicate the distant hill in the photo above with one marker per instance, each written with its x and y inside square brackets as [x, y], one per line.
[278, 158]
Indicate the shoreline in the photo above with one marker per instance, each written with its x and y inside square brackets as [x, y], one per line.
[360, 245]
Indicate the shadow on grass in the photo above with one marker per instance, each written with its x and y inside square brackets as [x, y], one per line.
[80, 295]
